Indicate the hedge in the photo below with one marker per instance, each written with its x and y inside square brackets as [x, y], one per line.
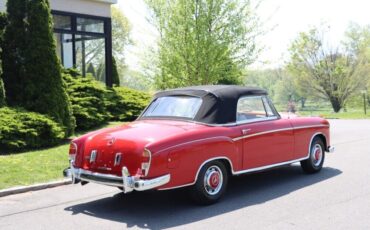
[87, 99]
[20, 129]
[93, 104]
[125, 104]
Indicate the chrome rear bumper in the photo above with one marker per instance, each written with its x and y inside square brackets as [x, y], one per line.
[127, 182]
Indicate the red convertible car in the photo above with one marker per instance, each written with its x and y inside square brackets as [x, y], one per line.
[198, 137]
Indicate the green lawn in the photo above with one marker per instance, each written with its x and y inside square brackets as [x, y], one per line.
[35, 166]
[350, 114]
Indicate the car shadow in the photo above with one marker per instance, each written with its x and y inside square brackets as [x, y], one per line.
[165, 209]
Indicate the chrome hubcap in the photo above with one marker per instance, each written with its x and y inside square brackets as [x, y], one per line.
[213, 180]
[316, 155]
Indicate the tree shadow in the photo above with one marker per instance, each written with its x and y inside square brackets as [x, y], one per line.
[165, 209]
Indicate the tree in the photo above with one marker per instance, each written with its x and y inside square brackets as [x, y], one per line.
[45, 88]
[3, 23]
[121, 29]
[278, 82]
[115, 74]
[120, 32]
[331, 73]
[2, 94]
[13, 47]
[203, 41]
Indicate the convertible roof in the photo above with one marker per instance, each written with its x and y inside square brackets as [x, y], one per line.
[219, 91]
[219, 101]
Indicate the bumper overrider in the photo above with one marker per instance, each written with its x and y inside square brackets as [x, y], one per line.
[126, 182]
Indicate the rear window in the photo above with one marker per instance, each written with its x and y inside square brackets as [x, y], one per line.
[174, 106]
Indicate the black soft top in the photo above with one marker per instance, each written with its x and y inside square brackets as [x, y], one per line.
[219, 101]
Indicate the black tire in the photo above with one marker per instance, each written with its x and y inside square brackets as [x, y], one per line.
[317, 156]
[211, 183]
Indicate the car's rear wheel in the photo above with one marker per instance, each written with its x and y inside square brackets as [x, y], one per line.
[317, 156]
[211, 183]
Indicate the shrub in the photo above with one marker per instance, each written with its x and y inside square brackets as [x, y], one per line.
[20, 129]
[87, 98]
[125, 104]
[93, 104]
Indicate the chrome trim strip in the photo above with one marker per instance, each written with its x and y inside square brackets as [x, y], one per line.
[238, 172]
[261, 133]
[269, 166]
[277, 130]
[194, 141]
[311, 126]
[249, 170]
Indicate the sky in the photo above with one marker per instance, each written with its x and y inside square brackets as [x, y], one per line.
[286, 17]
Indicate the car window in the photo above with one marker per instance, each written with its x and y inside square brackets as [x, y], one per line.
[174, 106]
[251, 108]
[269, 111]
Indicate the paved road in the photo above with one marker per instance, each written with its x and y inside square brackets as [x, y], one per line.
[336, 198]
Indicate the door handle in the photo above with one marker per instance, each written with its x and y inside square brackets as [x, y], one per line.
[245, 131]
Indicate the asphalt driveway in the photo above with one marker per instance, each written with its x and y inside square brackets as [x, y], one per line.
[336, 198]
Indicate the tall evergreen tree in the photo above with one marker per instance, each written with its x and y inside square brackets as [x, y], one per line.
[13, 47]
[2, 93]
[44, 89]
[3, 23]
[115, 74]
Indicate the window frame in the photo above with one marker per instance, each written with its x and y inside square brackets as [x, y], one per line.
[267, 118]
[107, 35]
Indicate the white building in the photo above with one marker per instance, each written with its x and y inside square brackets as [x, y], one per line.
[84, 36]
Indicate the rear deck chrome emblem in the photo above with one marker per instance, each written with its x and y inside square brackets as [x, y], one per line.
[117, 159]
[93, 155]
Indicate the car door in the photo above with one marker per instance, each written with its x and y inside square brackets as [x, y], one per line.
[267, 139]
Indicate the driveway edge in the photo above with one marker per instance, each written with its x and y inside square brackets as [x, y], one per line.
[36, 187]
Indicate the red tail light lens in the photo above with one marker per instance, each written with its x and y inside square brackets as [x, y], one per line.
[145, 165]
[72, 151]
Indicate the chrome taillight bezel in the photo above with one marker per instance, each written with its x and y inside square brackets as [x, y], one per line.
[145, 166]
[72, 156]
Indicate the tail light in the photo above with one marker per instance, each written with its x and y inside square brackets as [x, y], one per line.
[145, 165]
[72, 151]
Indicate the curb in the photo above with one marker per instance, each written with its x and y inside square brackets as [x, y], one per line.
[36, 187]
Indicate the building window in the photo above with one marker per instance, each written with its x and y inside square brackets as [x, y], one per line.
[90, 55]
[65, 49]
[90, 25]
[84, 42]
[62, 22]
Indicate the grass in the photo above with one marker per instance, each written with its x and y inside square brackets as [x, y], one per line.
[36, 166]
[349, 114]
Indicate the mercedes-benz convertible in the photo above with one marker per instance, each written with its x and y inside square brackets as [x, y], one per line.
[198, 137]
